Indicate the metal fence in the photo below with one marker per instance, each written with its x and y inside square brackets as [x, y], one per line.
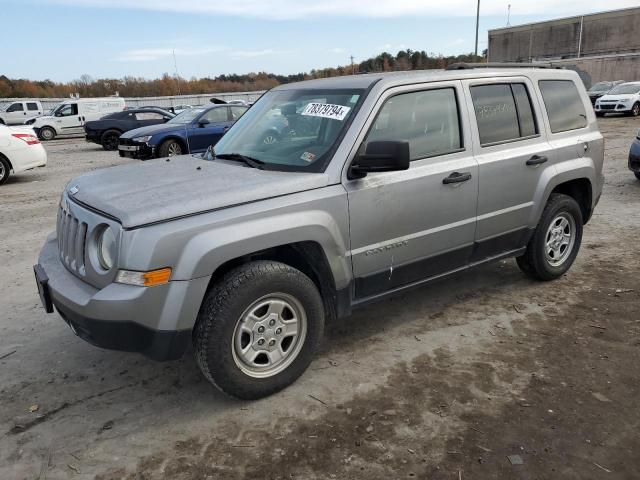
[165, 102]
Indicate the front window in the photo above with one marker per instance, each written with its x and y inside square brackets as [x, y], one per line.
[600, 87]
[187, 116]
[292, 129]
[629, 89]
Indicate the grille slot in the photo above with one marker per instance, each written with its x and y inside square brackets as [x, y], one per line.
[72, 237]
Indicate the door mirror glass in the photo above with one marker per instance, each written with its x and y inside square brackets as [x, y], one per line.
[203, 121]
[380, 156]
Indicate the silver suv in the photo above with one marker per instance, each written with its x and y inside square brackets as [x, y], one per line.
[374, 184]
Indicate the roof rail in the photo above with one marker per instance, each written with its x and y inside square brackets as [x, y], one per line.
[469, 66]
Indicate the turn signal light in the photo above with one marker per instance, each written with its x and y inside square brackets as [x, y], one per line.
[144, 279]
[29, 138]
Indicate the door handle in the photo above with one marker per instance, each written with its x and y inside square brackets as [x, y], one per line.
[537, 160]
[457, 177]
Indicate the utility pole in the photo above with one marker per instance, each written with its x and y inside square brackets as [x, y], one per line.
[175, 66]
[352, 68]
[477, 27]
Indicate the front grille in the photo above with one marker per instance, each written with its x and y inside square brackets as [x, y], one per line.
[72, 237]
[607, 107]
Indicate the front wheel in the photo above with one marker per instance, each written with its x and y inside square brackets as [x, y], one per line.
[555, 241]
[635, 110]
[258, 329]
[170, 148]
[110, 140]
[47, 133]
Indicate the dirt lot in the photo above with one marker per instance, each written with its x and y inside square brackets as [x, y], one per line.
[442, 383]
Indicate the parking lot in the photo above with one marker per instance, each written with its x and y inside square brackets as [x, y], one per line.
[444, 382]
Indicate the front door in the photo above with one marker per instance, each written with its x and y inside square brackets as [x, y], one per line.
[412, 225]
[68, 121]
[202, 134]
[16, 114]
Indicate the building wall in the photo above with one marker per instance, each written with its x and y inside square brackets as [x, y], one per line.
[602, 33]
[610, 67]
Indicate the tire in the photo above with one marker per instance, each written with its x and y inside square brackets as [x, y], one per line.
[5, 170]
[635, 110]
[170, 148]
[535, 262]
[258, 288]
[47, 133]
[109, 140]
[637, 174]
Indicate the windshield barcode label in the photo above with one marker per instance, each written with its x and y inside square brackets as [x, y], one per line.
[326, 110]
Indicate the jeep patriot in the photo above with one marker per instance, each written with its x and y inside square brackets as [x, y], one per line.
[326, 195]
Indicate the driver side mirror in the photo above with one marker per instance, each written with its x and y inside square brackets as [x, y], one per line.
[380, 156]
[203, 122]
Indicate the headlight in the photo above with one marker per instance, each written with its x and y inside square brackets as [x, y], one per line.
[107, 248]
[144, 139]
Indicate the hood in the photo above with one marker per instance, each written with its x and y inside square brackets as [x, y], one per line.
[621, 97]
[156, 190]
[151, 129]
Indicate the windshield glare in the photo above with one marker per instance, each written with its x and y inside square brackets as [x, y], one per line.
[187, 116]
[625, 89]
[292, 129]
[600, 87]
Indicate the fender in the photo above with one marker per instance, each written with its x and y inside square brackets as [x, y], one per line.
[574, 169]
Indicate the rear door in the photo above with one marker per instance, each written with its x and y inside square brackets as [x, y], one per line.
[201, 135]
[34, 109]
[411, 225]
[513, 153]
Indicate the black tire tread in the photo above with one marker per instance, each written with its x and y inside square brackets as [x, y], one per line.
[7, 169]
[163, 150]
[530, 261]
[217, 304]
[104, 136]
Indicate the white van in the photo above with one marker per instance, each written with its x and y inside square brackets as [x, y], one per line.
[19, 111]
[70, 116]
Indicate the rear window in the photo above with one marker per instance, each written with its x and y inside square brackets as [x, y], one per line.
[564, 105]
[503, 112]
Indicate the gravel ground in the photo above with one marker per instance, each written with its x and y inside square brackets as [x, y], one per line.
[444, 382]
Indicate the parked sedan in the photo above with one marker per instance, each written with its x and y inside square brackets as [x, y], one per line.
[108, 129]
[20, 150]
[192, 131]
[634, 156]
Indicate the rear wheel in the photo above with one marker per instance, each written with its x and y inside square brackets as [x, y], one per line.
[258, 329]
[170, 148]
[47, 133]
[5, 170]
[635, 110]
[556, 240]
[109, 139]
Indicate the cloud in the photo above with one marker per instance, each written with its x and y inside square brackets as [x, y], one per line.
[317, 9]
[150, 54]
[258, 53]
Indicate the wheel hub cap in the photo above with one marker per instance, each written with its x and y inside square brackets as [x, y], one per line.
[560, 239]
[269, 335]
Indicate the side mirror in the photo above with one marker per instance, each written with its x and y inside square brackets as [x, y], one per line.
[203, 122]
[380, 156]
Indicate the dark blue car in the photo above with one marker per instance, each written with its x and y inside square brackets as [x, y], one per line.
[192, 131]
[634, 156]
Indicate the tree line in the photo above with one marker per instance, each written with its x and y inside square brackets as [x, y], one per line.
[167, 85]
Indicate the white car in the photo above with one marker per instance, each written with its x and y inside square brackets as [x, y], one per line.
[623, 98]
[20, 112]
[20, 150]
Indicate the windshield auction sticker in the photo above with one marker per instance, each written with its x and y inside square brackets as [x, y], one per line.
[326, 110]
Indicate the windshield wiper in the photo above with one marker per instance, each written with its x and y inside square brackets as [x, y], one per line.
[252, 162]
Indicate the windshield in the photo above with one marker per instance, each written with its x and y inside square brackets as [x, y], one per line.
[187, 116]
[600, 87]
[4, 106]
[625, 89]
[292, 129]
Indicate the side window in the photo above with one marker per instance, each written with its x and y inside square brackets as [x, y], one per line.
[237, 112]
[216, 115]
[32, 106]
[503, 112]
[148, 116]
[69, 110]
[16, 107]
[429, 120]
[564, 105]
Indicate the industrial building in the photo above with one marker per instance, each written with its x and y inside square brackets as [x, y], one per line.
[599, 46]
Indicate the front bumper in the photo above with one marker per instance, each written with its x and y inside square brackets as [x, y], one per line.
[130, 149]
[613, 108]
[155, 321]
[92, 136]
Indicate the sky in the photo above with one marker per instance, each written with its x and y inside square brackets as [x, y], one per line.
[64, 39]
